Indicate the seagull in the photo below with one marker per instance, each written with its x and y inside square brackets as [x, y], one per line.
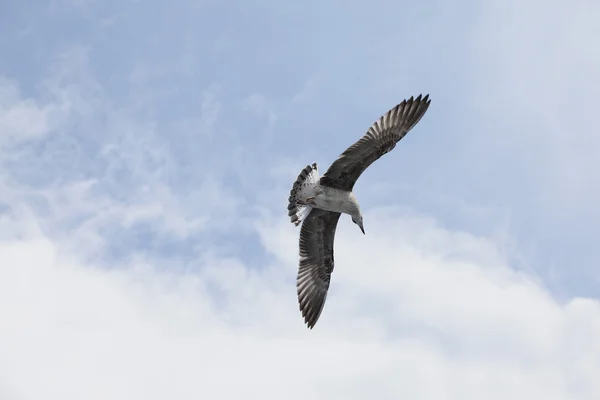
[318, 202]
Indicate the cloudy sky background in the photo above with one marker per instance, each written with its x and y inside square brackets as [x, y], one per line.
[147, 150]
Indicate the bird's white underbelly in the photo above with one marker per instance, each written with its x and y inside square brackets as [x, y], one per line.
[329, 203]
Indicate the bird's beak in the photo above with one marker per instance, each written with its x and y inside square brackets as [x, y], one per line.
[362, 229]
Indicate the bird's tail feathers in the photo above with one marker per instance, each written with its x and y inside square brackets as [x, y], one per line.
[308, 177]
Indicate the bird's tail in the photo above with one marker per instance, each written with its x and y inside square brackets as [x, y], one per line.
[308, 177]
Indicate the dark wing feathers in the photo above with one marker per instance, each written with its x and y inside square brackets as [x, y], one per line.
[380, 139]
[316, 262]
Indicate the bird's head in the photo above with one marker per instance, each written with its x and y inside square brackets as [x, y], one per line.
[358, 220]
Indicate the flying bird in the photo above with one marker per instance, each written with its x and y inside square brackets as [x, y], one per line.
[318, 202]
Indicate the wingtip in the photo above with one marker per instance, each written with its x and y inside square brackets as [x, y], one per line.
[310, 323]
[420, 97]
[310, 315]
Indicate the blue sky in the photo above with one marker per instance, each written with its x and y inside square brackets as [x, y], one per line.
[147, 150]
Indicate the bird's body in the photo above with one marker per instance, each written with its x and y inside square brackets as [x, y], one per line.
[318, 201]
[332, 199]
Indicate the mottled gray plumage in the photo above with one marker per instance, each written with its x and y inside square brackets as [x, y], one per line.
[317, 203]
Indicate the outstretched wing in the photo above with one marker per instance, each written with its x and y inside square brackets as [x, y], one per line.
[316, 262]
[380, 139]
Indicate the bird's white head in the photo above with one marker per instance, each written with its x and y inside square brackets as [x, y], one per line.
[358, 220]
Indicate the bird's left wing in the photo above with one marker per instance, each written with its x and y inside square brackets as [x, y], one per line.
[316, 262]
[380, 139]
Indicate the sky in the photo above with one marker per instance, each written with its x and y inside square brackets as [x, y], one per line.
[147, 150]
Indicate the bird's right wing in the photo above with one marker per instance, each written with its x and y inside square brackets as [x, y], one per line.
[316, 262]
[380, 139]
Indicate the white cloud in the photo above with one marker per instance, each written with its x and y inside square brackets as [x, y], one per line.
[433, 314]
[23, 119]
